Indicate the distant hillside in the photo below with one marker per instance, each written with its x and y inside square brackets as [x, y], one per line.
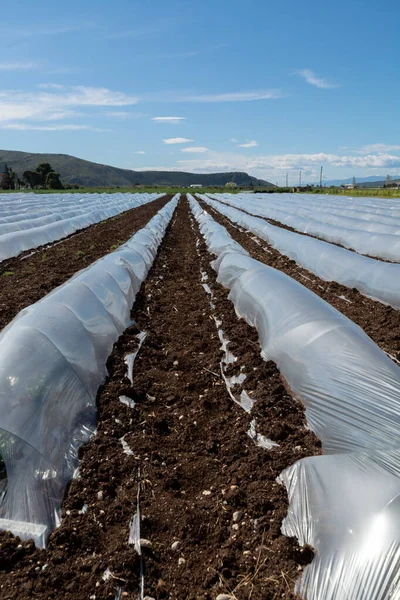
[86, 173]
[372, 181]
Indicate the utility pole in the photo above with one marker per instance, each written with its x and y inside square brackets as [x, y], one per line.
[287, 180]
[320, 179]
[300, 179]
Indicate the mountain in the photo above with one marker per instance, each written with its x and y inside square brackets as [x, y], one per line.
[86, 173]
[372, 181]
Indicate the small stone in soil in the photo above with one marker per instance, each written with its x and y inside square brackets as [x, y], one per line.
[181, 561]
[145, 544]
[224, 597]
[237, 516]
[100, 495]
[175, 546]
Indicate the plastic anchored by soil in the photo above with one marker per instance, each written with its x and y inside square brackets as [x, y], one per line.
[23, 282]
[203, 481]
[380, 322]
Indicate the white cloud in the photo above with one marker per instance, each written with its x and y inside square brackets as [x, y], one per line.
[18, 66]
[380, 148]
[250, 144]
[168, 119]
[140, 152]
[234, 141]
[273, 166]
[195, 149]
[313, 79]
[55, 102]
[157, 169]
[177, 140]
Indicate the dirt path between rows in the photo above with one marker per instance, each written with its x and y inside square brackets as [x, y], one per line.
[205, 486]
[380, 322]
[23, 282]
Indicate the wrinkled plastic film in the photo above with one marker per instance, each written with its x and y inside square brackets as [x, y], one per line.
[27, 222]
[305, 213]
[374, 278]
[346, 503]
[52, 361]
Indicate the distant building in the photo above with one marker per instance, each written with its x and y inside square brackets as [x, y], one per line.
[348, 186]
[196, 185]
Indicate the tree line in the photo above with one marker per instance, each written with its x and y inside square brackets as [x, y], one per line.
[43, 177]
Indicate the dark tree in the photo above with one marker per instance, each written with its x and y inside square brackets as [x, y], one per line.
[53, 181]
[4, 181]
[44, 169]
[14, 181]
[32, 178]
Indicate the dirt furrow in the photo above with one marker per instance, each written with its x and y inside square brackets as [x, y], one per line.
[24, 281]
[380, 322]
[203, 481]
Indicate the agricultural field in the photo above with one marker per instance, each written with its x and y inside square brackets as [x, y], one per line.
[199, 397]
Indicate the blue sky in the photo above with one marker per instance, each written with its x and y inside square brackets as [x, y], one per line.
[208, 85]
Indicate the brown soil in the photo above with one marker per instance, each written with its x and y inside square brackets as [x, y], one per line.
[24, 281]
[380, 322]
[194, 460]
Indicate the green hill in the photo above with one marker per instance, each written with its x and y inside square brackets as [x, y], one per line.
[86, 173]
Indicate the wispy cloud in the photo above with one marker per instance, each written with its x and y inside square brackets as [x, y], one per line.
[250, 144]
[124, 114]
[56, 29]
[168, 119]
[244, 96]
[49, 106]
[54, 102]
[55, 127]
[142, 31]
[195, 149]
[18, 66]
[178, 140]
[188, 53]
[313, 79]
[380, 148]
[139, 152]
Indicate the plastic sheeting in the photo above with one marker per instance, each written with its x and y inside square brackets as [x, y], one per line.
[374, 278]
[30, 222]
[345, 504]
[305, 215]
[52, 360]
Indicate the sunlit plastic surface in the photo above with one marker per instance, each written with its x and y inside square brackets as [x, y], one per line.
[31, 220]
[345, 503]
[375, 231]
[374, 278]
[52, 360]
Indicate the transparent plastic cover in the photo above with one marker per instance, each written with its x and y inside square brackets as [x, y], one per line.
[52, 360]
[346, 503]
